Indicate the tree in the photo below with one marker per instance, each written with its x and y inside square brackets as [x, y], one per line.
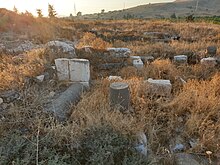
[51, 11]
[102, 11]
[39, 13]
[15, 10]
[29, 14]
[79, 14]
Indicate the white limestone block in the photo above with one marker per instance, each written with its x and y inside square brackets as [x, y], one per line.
[138, 64]
[114, 78]
[210, 61]
[62, 67]
[180, 59]
[40, 78]
[159, 87]
[119, 52]
[79, 70]
[135, 57]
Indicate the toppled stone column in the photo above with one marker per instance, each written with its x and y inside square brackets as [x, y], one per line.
[180, 59]
[60, 107]
[120, 96]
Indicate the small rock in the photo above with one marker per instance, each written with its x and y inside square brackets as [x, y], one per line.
[9, 96]
[193, 143]
[1, 101]
[211, 50]
[114, 78]
[141, 148]
[40, 78]
[138, 64]
[178, 147]
[52, 94]
[141, 143]
[4, 106]
[147, 59]
[190, 159]
[142, 138]
[119, 52]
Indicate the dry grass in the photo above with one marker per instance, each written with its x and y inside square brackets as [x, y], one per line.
[93, 124]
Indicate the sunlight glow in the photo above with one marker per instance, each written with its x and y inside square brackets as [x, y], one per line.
[65, 7]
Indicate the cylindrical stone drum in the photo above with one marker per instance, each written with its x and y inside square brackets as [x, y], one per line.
[120, 96]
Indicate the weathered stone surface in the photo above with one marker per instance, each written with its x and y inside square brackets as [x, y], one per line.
[190, 159]
[119, 52]
[138, 64]
[209, 62]
[40, 78]
[24, 47]
[110, 78]
[147, 59]
[180, 59]
[120, 96]
[73, 70]
[158, 87]
[141, 143]
[60, 46]
[60, 107]
[1, 101]
[62, 67]
[79, 70]
[135, 58]
[109, 66]
[211, 50]
[9, 96]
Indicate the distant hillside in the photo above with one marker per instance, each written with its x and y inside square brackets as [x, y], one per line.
[181, 8]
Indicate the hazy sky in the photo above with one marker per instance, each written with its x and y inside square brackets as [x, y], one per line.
[65, 7]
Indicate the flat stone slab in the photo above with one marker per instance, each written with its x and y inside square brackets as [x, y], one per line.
[159, 87]
[180, 59]
[210, 61]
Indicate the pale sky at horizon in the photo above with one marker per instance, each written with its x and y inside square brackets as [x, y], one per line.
[65, 7]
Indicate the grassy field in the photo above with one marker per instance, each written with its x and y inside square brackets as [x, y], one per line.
[94, 134]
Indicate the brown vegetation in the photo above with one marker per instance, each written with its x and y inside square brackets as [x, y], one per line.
[94, 133]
